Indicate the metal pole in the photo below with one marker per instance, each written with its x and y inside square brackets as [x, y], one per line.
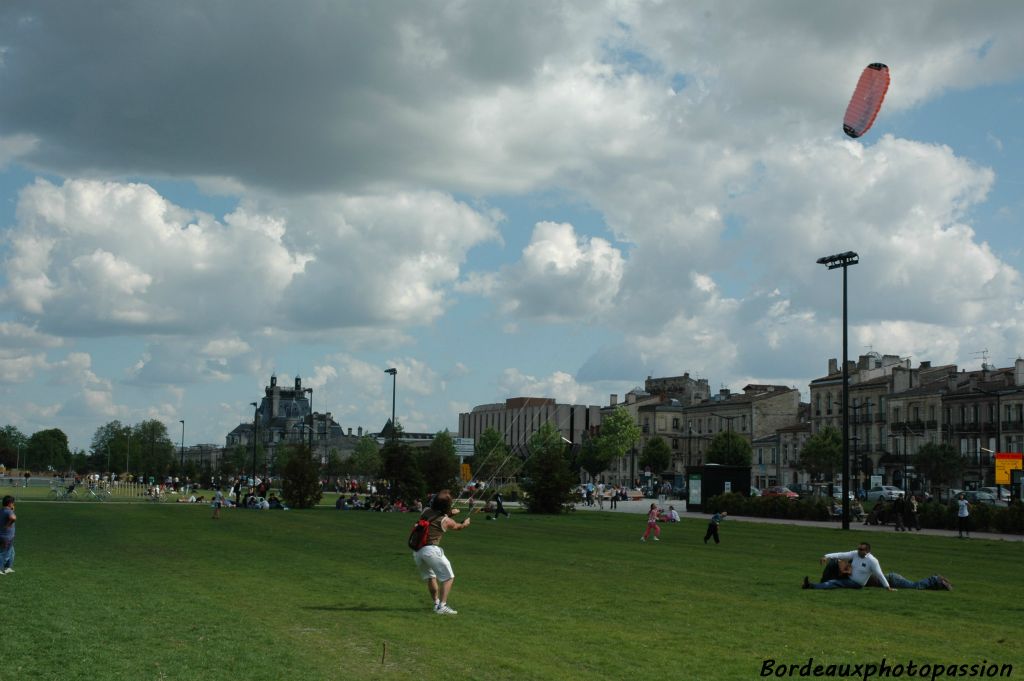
[255, 432]
[394, 381]
[127, 455]
[844, 260]
[846, 418]
[182, 463]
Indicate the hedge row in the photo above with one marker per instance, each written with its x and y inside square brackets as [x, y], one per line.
[770, 507]
[932, 515]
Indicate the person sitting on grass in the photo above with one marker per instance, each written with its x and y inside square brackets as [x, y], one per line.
[274, 502]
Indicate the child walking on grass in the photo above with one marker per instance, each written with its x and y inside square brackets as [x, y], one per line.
[652, 523]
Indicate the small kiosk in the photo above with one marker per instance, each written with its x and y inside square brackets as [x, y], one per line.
[710, 480]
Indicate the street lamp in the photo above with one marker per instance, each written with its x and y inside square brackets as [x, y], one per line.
[394, 380]
[999, 430]
[182, 443]
[856, 430]
[255, 431]
[844, 260]
[312, 418]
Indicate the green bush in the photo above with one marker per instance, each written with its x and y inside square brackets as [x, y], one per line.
[1010, 519]
[770, 507]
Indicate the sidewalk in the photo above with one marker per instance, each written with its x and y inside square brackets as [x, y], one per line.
[644, 505]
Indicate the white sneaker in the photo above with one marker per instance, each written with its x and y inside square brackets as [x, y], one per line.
[447, 610]
[8, 571]
[642, 539]
[656, 539]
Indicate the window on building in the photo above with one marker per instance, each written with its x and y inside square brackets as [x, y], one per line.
[817, 404]
[675, 443]
[760, 455]
[896, 414]
[675, 424]
[917, 413]
[775, 455]
[828, 403]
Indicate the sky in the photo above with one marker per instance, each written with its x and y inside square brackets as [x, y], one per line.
[499, 199]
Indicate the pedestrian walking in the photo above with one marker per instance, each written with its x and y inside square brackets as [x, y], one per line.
[499, 506]
[7, 519]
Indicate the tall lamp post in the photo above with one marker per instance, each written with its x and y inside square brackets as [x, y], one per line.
[312, 418]
[182, 422]
[394, 380]
[844, 260]
[856, 438]
[999, 427]
[255, 438]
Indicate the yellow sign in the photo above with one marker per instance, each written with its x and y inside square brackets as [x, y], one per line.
[1004, 464]
[467, 475]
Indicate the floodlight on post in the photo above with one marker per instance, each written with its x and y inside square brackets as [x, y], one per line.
[844, 260]
[394, 381]
[999, 430]
[255, 432]
[312, 418]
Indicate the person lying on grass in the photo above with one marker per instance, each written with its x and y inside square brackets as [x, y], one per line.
[862, 566]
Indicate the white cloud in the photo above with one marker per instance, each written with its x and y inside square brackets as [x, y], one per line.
[561, 277]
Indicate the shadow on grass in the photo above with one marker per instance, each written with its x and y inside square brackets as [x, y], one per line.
[361, 608]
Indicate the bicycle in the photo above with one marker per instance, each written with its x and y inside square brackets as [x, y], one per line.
[63, 493]
[98, 494]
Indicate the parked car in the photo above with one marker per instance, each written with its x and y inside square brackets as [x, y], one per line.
[780, 492]
[887, 492]
[838, 494]
[982, 497]
[1000, 493]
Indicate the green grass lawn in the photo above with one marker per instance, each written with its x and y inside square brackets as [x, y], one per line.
[161, 591]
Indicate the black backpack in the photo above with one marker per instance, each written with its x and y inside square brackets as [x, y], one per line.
[420, 533]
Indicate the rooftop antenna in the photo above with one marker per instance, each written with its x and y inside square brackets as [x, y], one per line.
[983, 354]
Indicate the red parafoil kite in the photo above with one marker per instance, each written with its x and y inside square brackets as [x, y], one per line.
[866, 100]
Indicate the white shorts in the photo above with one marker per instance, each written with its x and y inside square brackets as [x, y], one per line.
[432, 564]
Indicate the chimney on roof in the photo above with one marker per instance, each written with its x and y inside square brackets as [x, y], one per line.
[833, 366]
[723, 392]
[614, 400]
[360, 431]
[350, 431]
[1018, 372]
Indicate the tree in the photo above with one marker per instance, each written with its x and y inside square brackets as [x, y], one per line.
[439, 465]
[590, 458]
[729, 449]
[822, 454]
[12, 446]
[941, 465]
[400, 466]
[366, 459]
[617, 436]
[491, 456]
[156, 451]
[300, 479]
[48, 449]
[549, 480]
[657, 455]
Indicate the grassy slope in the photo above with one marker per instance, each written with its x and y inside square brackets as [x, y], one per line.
[115, 591]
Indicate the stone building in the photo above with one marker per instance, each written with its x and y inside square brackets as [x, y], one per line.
[518, 418]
